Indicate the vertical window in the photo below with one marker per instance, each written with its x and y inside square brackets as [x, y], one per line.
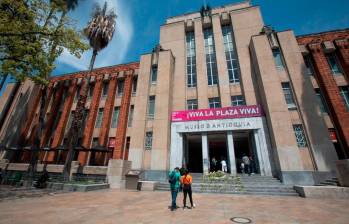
[230, 54]
[210, 52]
[288, 95]
[214, 102]
[99, 118]
[148, 140]
[192, 104]
[300, 137]
[84, 119]
[94, 142]
[120, 87]
[77, 93]
[154, 74]
[105, 89]
[130, 116]
[151, 107]
[309, 65]
[333, 63]
[278, 59]
[321, 101]
[114, 122]
[70, 121]
[238, 100]
[191, 60]
[134, 85]
[344, 90]
[91, 89]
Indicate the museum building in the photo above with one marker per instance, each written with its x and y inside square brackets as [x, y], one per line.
[219, 84]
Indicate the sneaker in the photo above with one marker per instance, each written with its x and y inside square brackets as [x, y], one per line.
[194, 206]
[172, 209]
[188, 207]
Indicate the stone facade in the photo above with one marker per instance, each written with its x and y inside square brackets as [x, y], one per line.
[234, 60]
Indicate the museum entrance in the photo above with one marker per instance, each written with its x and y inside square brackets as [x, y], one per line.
[193, 153]
[244, 145]
[217, 150]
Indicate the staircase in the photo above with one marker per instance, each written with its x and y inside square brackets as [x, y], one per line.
[329, 182]
[254, 184]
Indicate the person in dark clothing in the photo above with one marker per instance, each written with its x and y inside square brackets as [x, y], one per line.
[186, 181]
[174, 178]
[41, 183]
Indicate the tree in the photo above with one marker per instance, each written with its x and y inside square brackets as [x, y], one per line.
[99, 31]
[33, 34]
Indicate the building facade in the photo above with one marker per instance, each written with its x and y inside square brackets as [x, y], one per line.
[220, 84]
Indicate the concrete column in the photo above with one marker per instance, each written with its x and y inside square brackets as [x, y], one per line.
[205, 157]
[176, 155]
[262, 152]
[231, 153]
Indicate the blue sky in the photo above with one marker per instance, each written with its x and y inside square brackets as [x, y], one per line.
[139, 21]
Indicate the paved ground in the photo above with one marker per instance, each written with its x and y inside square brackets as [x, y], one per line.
[114, 206]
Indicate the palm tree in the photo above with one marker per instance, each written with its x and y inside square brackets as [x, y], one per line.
[99, 31]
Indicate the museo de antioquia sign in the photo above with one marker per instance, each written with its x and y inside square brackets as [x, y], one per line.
[217, 113]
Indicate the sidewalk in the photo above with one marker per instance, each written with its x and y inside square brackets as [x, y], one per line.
[114, 206]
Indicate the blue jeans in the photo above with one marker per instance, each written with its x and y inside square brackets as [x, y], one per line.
[174, 193]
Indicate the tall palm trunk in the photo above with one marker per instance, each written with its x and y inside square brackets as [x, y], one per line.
[73, 134]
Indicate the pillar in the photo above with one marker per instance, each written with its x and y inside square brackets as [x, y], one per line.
[231, 153]
[327, 83]
[205, 157]
[120, 138]
[90, 124]
[176, 155]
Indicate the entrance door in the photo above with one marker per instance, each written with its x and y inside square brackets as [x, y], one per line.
[243, 145]
[218, 149]
[193, 153]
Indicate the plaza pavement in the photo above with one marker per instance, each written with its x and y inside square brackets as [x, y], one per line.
[115, 206]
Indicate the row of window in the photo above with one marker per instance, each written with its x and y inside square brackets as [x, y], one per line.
[332, 61]
[115, 117]
[120, 88]
[210, 56]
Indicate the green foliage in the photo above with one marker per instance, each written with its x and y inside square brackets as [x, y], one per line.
[33, 33]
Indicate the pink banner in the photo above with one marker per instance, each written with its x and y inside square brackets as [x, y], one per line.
[217, 113]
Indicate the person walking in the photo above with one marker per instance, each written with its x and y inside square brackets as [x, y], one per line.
[246, 161]
[174, 178]
[186, 181]
[224, 165]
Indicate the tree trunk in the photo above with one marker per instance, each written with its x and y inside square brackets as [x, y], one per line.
[35, 149]
[77, 121]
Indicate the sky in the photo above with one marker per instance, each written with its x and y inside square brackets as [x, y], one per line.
[139, 21]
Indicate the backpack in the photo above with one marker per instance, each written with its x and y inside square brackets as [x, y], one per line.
[172, 179]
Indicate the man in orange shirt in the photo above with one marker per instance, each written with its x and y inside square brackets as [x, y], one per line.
[186, 181]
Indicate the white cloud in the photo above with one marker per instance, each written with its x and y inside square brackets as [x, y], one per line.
[117, 49]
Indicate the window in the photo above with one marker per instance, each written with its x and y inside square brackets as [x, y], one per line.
[130, 116]
[344, 90]
[211, 64]
[70, 121]
[134, 85]
[151, 107]
[114, 122]
[230, 54]
[120, 87]
[214, 102]
[278, 59]
[105, 89]
[309, 65]
[333, 63]
[99, 118]
[288, 95]
[94, 142]
[191, 60]
[300, 137]
[238, 100]
[148, 140]
[154, 74]
[192, 104]
[77, 93]
[91, 89]
[321, 101]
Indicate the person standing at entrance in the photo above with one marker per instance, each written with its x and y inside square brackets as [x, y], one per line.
[224, 165]
[214, 164]
[246, 162]
[186, 181]
[173, 179]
